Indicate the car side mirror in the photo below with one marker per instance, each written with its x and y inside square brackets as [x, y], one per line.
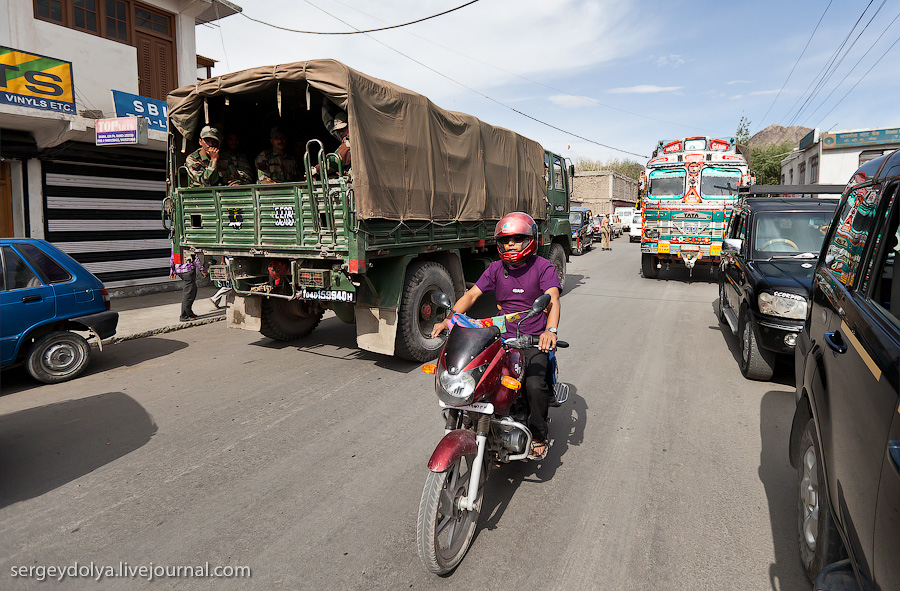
[538, 306]
[441, 299]
[732, 245]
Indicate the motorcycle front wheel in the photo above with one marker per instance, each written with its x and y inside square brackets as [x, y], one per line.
[443, 530]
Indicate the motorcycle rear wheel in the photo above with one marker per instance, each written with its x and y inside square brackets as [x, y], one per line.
[443, 530]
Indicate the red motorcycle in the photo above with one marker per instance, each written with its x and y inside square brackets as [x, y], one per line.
[478, 379]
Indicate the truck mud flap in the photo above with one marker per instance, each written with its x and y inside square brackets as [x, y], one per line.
[244, 312]
[376, 328]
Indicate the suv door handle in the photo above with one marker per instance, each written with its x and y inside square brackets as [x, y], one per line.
[31, 298]
[835, 342]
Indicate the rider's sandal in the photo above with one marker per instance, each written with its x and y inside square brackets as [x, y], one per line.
[536, 445]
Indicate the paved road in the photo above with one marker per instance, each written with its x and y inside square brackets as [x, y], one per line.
[306, 461]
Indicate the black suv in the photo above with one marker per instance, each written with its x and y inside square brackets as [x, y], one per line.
[845, 438]
[770, 251]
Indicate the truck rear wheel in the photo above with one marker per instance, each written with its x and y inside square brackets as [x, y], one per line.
[288, 320]
[417, 314]
[648, 266]
[557, 256]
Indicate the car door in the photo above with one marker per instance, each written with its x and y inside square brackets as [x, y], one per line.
[734, 265]
[25, 300]
[858, 361]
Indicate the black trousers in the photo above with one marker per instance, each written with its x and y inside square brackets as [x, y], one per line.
[189, 292]
[537, 391]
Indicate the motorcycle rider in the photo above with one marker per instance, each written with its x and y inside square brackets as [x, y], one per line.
[517, 279]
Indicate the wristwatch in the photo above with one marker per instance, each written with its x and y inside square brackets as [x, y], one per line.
[552, 329]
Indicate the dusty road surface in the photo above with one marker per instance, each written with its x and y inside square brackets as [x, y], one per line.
[305, 461]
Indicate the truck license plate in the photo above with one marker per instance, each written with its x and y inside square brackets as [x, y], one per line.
[328, 295]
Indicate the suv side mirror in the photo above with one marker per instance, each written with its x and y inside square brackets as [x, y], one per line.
[732, 245]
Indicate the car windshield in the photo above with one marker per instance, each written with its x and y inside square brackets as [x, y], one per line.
[575, 219]
[789, 234]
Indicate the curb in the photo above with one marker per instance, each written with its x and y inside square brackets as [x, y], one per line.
[163, 330]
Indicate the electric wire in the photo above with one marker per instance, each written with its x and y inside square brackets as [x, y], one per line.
[834, 68]
[796, 62]
[851, 70]
[356, 31]
[525, 78]
[469, 88]
[858, 81]
[824, 69]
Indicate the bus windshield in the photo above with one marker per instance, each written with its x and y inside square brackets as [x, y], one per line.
[667, 182]
[720, 181]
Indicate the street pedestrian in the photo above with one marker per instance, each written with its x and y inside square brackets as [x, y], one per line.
[187, 270]
[604, 233]
[276, 165]
[203, 164]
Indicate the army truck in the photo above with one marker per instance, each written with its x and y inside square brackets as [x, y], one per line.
[413, 214]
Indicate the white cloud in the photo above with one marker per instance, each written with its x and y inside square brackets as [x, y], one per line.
[570, 101]
[671, 60]
[757, 92]
[730, 82]
[643, 89]
[737, 96]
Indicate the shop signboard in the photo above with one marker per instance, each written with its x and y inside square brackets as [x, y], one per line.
[134, 105]
[121, 131]
[36, 82]
[860, 138]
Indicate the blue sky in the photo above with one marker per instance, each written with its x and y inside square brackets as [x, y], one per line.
[620, 73]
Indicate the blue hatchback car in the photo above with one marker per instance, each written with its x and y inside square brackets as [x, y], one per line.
[45, 295]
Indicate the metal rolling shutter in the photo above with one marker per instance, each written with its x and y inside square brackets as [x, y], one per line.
[108, 219]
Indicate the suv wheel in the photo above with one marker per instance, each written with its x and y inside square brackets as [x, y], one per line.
[57, 357]
[722, 304]
[756, 363]
[820, 543]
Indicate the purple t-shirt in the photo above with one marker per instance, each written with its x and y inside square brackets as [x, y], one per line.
[517, 292]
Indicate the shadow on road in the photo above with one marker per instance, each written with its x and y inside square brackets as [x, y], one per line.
[46, 447]
[566, 429]
[784, 364]
[780, 482]
[124, 354]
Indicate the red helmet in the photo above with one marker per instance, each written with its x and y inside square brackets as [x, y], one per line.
[515, 224]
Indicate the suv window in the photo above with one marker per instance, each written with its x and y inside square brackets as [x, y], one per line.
[845, 247]
[16, 273]
[50, 269]
[885, 291]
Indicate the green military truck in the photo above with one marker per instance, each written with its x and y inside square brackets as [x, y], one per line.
[414, 214]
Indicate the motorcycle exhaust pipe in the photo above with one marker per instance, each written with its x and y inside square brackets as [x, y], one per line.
[513, 431]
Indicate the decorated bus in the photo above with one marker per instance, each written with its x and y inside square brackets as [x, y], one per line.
[690, 187]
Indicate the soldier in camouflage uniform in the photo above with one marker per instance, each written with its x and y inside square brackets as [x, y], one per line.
[204, 165]
[239, 171]
[276, 165]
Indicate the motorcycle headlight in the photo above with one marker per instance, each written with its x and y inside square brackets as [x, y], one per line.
[456, 389]
[784, 305]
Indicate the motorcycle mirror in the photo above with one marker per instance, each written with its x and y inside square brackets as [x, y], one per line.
[539, 305]
[441, 299]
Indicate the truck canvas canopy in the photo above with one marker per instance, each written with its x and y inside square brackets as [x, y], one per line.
[411, 159]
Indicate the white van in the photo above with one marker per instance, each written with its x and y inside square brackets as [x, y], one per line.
[625, 213]
[634, 232]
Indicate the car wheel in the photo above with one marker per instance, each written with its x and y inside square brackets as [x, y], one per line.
[756, 363]
[820, 543]
[57, 357]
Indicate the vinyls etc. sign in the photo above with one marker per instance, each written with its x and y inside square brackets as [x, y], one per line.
[36, 82]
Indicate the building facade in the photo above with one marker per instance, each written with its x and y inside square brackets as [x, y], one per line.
[832, 158]
[604, 190]
[64, 65]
